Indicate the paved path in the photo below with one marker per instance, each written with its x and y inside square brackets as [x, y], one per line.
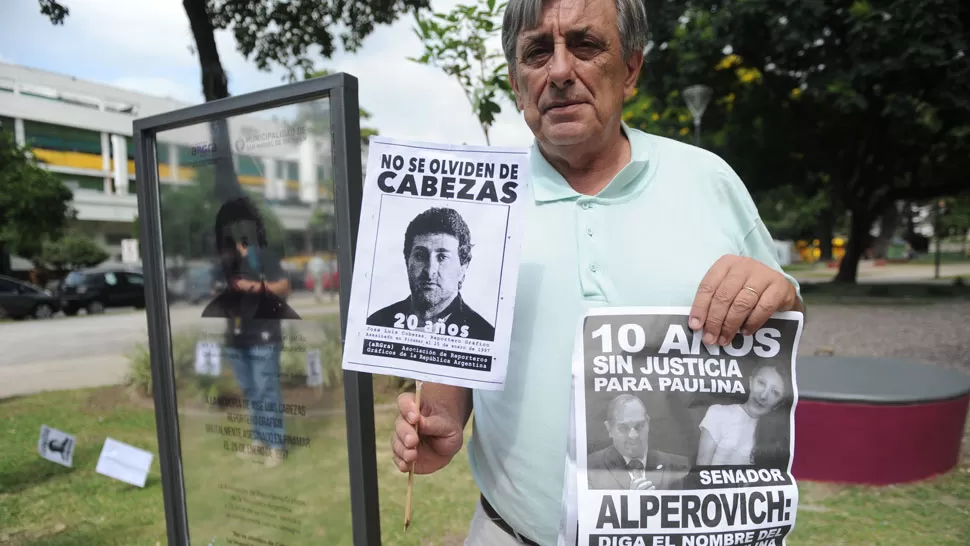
[87, 351]
[934, 333]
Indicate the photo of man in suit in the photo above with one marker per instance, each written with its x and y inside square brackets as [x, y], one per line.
[437, 253]
[629, 462]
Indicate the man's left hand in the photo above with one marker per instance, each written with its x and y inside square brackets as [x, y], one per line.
[739, 293]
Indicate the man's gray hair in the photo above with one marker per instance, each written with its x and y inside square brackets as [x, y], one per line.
[523, 15]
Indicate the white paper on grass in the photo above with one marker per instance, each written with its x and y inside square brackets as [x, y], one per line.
[676, 401]
[123, 462]
[56, 446]
[207, 358]
[488, 187]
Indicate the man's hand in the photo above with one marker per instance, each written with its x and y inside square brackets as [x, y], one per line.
[440, 436]
[739, 293]
[244, 285]
[642, 484]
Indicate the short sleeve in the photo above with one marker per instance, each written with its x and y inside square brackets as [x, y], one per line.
[272, 266]
[713, 421]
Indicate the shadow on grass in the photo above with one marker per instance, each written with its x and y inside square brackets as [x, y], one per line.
[19, 478]
[15, 478]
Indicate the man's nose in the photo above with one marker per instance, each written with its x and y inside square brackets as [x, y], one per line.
[561, 66]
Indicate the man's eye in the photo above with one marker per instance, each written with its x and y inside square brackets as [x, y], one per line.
[535, 54]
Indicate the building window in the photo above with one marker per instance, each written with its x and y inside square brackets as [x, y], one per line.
[6, 125]
[250, 166]
[79, 182]
[60, 138]
[292, 170]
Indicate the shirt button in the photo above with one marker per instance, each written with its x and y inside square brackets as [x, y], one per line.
[587, 205]
[592, 267]
[589, 231]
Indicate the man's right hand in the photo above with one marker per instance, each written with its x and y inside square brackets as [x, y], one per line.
[440, 436]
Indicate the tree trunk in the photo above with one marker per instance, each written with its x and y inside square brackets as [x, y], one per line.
[860, 223]
[214, 83]
[215, 86]
[5, 267]
[827, 225]
[887, 230]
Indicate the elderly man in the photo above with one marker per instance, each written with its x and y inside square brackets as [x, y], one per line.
[618, 217]
[629, 462]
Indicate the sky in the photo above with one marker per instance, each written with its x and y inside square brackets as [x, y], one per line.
[146, 46]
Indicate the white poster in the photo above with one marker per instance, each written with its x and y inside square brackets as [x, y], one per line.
[56, 446]
[678, 443]
[129, 251]
[124, 462]
[437, 262]
[314, 370]
[207, 361]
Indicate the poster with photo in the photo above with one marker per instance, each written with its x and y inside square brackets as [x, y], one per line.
[437, 262]
[681, 443]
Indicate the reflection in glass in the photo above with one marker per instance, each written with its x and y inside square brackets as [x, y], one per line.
[248, 234]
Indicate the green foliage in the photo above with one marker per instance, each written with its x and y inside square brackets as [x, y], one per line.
[53, 10]
[74, 251]
[457, 43]
[285, 32]
[868, 98]
[955, 220]
[34, 204]
[325, 337]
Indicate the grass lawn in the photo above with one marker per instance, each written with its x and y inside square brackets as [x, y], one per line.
[42, 503]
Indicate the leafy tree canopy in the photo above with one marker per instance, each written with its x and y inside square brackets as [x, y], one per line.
[34, 204]
[74, 251]
[865, 101]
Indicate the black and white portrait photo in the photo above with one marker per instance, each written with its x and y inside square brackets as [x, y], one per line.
[441, 275]
[630, 460]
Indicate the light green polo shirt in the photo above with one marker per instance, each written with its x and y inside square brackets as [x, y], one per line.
[647, 238]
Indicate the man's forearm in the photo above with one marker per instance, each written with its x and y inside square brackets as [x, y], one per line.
[457, 401]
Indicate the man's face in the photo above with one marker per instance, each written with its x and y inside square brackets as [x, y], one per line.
[434, 269]
[630, 429]
[570, 77]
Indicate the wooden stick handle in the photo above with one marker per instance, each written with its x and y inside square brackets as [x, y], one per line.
[407, 505]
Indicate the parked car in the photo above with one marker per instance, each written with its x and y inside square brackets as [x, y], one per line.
[19, 299]
[99, 288]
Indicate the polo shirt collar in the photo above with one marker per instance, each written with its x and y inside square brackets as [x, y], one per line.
[548, 185]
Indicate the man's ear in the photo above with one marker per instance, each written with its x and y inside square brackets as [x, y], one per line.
[633, 66]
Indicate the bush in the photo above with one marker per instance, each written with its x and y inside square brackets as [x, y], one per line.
[139, 378]
[322, 333]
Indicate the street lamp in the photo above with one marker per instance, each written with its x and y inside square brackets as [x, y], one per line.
[697, 97]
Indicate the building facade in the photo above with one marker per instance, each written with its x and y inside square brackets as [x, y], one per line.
[82, 133]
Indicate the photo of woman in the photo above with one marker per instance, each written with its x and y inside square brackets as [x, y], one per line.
[753, 432]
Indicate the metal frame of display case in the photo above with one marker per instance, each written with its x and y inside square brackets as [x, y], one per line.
[342, 91]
